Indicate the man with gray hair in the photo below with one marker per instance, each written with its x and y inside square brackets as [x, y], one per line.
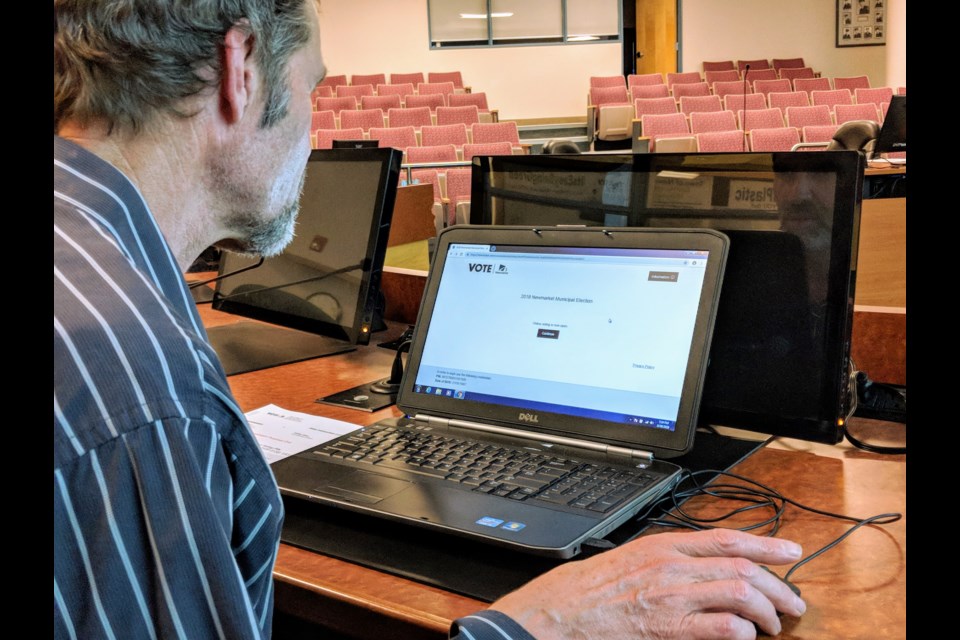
[182, 125]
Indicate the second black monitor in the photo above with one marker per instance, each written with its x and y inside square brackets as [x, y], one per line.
[893, 133]
[780, 357]
[326, 282]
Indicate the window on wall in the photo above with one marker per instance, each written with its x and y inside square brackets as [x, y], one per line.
[483, 23]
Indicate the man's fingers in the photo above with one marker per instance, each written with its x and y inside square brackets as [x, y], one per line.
[719, 626]
[711, 572]
[731, 543]
[741, 598]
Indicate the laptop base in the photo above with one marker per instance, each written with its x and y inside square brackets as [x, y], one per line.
[453, 563]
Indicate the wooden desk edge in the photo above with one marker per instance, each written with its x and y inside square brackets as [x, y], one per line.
[388, 602]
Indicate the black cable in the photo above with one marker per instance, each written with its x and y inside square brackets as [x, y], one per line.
[878, 401]
[194, 285]
[322, 276]
[873, 448]
[883, 518]
[759, 495]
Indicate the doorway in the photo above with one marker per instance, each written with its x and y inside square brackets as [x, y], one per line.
[656, 29]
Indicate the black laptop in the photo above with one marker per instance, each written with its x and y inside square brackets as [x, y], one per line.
[551, 373]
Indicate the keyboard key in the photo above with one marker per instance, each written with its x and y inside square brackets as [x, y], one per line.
[391, 464]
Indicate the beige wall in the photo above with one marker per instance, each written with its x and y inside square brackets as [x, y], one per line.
[897, 44]
[374, 36]
[754, 29]
[382, 36]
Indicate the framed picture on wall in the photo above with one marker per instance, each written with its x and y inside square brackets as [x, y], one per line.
[861, 23]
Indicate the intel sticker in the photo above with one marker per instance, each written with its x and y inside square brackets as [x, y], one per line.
[487, 521]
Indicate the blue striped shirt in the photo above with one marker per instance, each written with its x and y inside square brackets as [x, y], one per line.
[166, 515]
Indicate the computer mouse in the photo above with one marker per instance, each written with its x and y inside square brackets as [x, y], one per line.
[792, 586]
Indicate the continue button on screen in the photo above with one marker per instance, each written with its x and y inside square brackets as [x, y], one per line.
[548, 333]
[663, 276]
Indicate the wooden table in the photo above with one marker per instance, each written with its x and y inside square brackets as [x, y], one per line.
[856, 590]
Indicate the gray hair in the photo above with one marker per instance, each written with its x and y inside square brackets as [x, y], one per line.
[124, 62]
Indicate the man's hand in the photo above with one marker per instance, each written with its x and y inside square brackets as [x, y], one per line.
[703, 584]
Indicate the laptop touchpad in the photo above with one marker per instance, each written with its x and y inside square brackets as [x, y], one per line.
[361, 486]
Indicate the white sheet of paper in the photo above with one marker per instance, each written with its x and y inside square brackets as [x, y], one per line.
[282, 433]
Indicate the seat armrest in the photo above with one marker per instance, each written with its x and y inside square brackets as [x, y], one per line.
[641, 144]
[809, 145]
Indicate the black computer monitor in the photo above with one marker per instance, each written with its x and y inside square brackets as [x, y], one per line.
[322, 293]
[893, 132]
[779, 361]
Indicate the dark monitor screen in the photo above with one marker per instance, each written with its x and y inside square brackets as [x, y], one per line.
[327, 280]
[893, 133]
[780, 352]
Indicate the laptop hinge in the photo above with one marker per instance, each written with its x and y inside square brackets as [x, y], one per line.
[598, 447]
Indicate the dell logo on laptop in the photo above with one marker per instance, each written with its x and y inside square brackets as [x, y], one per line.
[528, 417]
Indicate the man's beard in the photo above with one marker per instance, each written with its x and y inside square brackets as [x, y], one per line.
[259, 237]
[263, 237]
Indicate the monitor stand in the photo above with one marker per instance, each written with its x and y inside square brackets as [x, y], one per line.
[248, 346]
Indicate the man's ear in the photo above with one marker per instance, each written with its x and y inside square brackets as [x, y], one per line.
[238, 81]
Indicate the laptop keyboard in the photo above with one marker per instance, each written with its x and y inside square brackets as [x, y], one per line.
[514, 473]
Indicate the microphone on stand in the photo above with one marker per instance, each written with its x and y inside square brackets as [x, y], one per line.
[746, 70]
[392, 384]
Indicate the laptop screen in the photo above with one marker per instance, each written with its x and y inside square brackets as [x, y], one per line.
[593, 335]
[542, 328]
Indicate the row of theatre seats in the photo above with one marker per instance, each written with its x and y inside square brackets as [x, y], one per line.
[777, 64]
[406, 136]
[414, 78]
[722, 88]
[367, 107]
[403, 90]
[434, 118]
[417, 117]
[402, 97]
[727, 115]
